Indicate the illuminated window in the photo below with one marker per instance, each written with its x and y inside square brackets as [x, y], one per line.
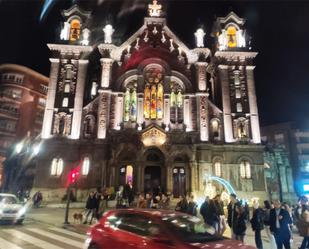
[217, 169]
[176, 103]
[153, 94]
[215, 129]
[65, 102]
[237, 93]
[245, 169]
[68, 72]
[231, 37]
[67, 88]
[130, 102]
[239, 107]
[75, 30]
[56, 167]
[86, 166]
[94, 89]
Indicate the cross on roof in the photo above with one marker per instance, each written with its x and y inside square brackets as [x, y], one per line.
[154, 9]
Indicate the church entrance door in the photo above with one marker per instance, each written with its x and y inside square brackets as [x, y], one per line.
[152, 179]
[179, 182]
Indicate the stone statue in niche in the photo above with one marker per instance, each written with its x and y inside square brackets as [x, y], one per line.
[89, 126]
[62, 124]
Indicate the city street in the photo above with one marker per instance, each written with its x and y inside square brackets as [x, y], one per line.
[44, 229]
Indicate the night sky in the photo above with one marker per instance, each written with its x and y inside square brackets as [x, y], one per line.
[279, 32]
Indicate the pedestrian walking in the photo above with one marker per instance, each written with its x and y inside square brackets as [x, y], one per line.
[121, 201]
[37, 199]
[239, 223]
[266, 209]
[129, 193]
[182, 205]
[280, 220]
[257, 223]
[148, 200]
[192, 206]
[232, 214]
[91, 206]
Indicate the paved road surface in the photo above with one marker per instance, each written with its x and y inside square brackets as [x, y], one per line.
[38, 236]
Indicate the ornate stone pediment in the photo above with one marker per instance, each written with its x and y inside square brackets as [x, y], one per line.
[153, 137]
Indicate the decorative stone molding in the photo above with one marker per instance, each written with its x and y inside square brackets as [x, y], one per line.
[235, 55]
[70, 49]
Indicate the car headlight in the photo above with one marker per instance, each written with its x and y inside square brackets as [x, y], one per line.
[21, 211]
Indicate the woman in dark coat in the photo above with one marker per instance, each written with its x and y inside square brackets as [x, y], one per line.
[240, 227]
[91, 205]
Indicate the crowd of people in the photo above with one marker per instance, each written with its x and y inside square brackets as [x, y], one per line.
[275, 218]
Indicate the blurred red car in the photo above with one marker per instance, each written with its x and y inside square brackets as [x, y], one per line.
[152, 229]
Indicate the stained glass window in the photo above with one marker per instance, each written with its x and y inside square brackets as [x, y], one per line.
[176, 103]
[130, 102]
[153, 94]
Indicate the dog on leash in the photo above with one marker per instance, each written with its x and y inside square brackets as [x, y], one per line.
[78, 218]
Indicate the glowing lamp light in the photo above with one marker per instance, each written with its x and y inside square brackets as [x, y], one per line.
[108, 32]
[19, 147]
[36, 149]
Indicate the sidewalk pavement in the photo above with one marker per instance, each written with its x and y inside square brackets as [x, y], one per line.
[55, 217]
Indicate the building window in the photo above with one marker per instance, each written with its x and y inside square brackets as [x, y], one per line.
[67, 88]
[153, 94]
[74, 30]
[42, 101]
[239, 107]
[86, 166]
[94, 88]
[215, 129]
[176, 103]
[231, 37]
[130, 102]
[217, 169]
[56, 167]
[237, 93]
[245, 169]
[65, 102]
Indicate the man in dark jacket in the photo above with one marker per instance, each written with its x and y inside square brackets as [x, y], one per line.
[257, 223]
[91, 206]
[204, 208]
[232, 213]
[279, 221]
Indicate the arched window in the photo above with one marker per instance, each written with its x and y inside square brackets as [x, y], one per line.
[85, 166]
[74, 30]
[245, 169]
[153, 94]
[176, 103]
[215, 129]
[217, 169]
[56, 167]
[239, 107]
[67, 88]
[130, 102]
[231, 37]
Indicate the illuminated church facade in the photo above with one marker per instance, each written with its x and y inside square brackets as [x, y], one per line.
[152, 111]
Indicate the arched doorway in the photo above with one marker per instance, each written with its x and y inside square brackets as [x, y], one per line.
[154, 179]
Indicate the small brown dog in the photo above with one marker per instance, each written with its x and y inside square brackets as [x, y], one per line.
[78, 218]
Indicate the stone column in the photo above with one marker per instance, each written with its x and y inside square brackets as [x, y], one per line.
[202, 108]
[140, 110]
[254, 116]
[51, 95]
[106, 71]
[201, 75]
[79, 99]
[119, 112]
[227, 117]
[167, 114]
[103, 113]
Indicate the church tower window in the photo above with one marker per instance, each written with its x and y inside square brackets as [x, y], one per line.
[67, 87]
[176, 103]
[245, 169]
[75, 30]
[130, 102]
[217, 169]
[65, 102]
[86, 166]
[239, 107]
[153, 94]
[231, 37]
